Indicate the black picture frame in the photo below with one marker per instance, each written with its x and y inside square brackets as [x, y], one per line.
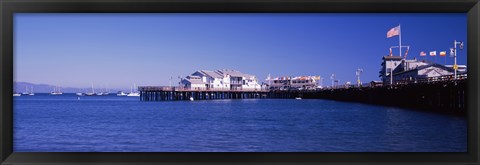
[9, 7]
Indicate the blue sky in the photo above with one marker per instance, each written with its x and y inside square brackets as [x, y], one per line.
[74, 50]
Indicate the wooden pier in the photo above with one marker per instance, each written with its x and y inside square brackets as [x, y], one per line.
[159, 93]
[439, 96]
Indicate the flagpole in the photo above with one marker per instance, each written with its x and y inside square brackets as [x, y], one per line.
[400, 40]
[445, 63]
[400, 51]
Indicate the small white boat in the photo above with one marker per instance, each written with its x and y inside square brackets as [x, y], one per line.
[120, 93]
[17, 94]
[298, 98]
[191, 99]
[80, 94]
[56, 91]
[30, 93]
[106, 93]
[135, 94]
[90, 93]
[26, 91]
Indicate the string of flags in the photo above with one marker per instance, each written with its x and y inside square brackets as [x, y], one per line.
[434, 53]
[422, 53]
[443, 53]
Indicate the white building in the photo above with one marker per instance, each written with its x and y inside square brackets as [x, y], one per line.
[388, 65]
[220, 80]
[412, 70]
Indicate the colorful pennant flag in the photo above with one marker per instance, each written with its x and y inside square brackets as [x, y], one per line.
[422, 53]
[443, 53]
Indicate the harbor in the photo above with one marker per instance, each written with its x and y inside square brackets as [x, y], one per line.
[307, 82]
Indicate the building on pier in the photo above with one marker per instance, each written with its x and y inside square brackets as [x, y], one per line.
[299, 83]
[224, 79]
[404, 70]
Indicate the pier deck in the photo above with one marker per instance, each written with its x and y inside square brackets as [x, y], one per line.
[161, 93]
[440, 96]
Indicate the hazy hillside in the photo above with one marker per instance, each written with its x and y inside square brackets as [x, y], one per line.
[46, 88]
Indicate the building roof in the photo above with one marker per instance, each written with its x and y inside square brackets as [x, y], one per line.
[392, 58]
[426, 66]
[195, 81]
[211, 74]
[193, 76]
[234, 73]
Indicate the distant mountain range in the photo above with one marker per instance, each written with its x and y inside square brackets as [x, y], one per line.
[46, 88]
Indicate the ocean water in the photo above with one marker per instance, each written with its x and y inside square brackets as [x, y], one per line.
[45, 123]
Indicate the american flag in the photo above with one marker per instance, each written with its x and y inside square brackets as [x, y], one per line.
[393, 32]
[423, 53]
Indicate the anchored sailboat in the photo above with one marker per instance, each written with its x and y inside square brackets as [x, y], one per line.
[56, 91]
[136, 94]
[30, 93]
[91, 93]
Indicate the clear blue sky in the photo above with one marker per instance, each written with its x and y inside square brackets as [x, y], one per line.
[74, 50]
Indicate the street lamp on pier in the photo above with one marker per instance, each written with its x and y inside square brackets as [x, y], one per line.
[455, 66]
[358, 73]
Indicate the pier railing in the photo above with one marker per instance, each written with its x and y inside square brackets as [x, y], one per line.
[447, 78]
[180, 89]
[407, 81]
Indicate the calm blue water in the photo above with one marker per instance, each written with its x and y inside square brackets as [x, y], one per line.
[44, 123]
